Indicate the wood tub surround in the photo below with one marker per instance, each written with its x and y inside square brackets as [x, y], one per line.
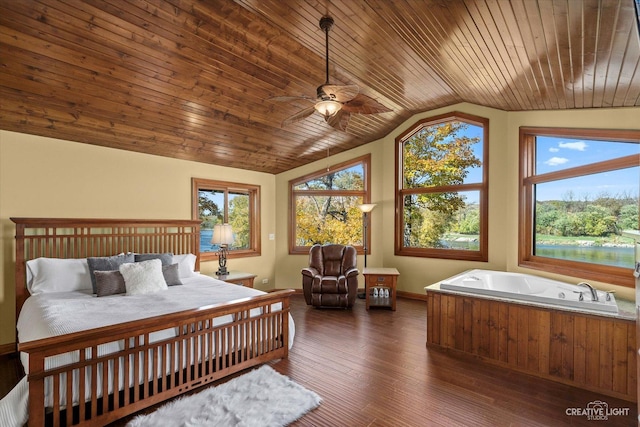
[594, 352]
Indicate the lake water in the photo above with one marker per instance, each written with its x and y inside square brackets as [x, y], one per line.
[616, 256]
[205, 241]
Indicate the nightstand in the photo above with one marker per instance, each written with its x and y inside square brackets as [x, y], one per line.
[238, 278]
[380, 287]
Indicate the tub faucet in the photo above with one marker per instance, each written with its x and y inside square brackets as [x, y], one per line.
[594, 293]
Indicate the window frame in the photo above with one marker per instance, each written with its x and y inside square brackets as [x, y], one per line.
[198, 184]
[526, 200]
[482, 254]
[365, 193]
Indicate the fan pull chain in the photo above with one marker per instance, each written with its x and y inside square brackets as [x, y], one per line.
[328, 167]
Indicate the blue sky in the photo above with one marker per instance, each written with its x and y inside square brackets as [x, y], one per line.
[554, 154]
[562, 153]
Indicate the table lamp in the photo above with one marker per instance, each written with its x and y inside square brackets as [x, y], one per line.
[222, 236]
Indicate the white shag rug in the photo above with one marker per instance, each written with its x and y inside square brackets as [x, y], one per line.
[260, 398]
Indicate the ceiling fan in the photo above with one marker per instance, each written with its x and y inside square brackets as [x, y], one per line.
[335, 103]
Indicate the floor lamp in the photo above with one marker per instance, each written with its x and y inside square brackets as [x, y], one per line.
[365, 208]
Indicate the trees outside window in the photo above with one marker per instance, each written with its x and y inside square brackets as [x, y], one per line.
[324, 206]
[219, 202]
[442, 188]
[579, 191]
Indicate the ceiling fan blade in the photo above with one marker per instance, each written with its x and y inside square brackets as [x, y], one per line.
[363, 104]
[339, 120]
[341, 93]
[301, 115]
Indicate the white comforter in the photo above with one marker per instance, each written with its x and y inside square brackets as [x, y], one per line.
[51, 314]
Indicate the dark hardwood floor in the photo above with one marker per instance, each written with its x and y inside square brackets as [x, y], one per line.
[373, 369]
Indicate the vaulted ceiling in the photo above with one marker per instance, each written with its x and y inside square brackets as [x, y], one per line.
[193, 79]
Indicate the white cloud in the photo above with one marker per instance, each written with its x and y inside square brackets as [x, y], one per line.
[578, 145]
[555, 161]
[554, 149]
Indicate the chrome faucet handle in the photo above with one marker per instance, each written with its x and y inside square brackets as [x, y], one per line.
[608, 295]
[581, 296]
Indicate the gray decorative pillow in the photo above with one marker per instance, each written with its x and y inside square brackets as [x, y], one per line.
[171, 274]
[109, 283]
[165, 258]
[106, 264]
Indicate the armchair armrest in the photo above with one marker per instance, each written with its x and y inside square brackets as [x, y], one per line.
[310, 271]
[351, 272]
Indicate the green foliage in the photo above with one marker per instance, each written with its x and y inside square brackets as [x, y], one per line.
[239, 220]
[209, 212]
[468, 220]
[628, 219]
[603, 216]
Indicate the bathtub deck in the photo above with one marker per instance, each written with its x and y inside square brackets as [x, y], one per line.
[593, 352]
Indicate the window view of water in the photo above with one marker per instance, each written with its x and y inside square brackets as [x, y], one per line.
[471, 243]
[614, 255]
[205, 241]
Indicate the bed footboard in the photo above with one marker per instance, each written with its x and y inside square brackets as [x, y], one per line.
[205, 345]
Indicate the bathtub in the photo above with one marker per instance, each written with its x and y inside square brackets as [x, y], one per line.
[525, 287]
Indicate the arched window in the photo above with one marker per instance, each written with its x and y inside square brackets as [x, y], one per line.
[442, 188]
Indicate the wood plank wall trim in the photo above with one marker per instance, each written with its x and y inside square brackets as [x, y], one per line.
[593, 352]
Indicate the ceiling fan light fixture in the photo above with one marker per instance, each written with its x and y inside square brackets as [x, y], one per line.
[328, 108]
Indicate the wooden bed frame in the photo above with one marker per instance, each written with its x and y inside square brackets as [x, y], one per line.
[203, 352]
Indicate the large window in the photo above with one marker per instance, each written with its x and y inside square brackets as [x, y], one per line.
[579, 190]
[220, 202]
[324, 206]
[442, 188]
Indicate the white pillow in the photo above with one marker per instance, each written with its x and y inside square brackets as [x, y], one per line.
[143, 277]
[186, 264]
[58, 275]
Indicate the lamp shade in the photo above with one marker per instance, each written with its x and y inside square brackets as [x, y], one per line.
[367, 207]
[328, 108]
[222, 234]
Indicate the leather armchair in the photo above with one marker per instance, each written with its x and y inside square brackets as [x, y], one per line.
[331, 280]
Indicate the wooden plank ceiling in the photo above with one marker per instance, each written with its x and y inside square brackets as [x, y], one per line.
[192, 79]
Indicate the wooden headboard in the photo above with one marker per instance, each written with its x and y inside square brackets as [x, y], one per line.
[88, 237]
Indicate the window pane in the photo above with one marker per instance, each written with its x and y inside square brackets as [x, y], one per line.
[581, 219]
[239, 220]
[211, 206]
[556, 153]
[443, 154]
[442, 220]
[333, 219]
[346, 179]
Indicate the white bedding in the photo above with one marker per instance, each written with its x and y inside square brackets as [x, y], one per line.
[58, 313]
[51, 314]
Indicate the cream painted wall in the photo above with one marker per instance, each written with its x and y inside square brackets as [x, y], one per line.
[416, 273]
[44, 177]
